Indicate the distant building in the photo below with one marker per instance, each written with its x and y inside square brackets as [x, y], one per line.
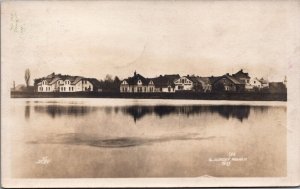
[165, 83]
[66, 83]
[264, 83]
[244, 79]
[193, 83]
[227, 83]
[137, 84]
[255, 84]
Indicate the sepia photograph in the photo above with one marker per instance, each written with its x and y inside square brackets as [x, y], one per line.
[150, 93]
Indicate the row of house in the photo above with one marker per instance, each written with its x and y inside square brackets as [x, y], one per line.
[237, 82]
[66, 83]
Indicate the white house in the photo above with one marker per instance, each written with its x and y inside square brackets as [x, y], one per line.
[66, 83]
[254, 83]
[137, 84]
[183, 83]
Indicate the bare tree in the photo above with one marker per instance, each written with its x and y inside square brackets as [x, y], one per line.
[27, 77]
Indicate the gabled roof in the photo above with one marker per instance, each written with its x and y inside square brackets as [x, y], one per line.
[52, 78]
[134, 80]
[200, 80]
[229, 77]
[213, 79]
[77, 79]
[193, 79]
[165, 81]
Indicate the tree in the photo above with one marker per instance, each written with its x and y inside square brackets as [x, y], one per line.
[27, 77]
[117, 80]
[108, 78]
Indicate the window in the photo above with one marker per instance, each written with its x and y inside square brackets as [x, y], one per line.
[145, 89]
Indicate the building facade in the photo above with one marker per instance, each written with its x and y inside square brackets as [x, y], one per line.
[228, 83]
[137, 84]
[66, 83]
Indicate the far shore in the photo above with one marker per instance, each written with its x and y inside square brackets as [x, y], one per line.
[243, 96]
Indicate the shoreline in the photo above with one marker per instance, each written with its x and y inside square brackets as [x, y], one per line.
[245, 96]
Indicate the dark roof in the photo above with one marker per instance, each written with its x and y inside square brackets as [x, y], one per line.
[165, 81]
[230, 78]
[241, 74]
[95, 82]
[213, 79]
[134, 80]
[52, 78]
[200, 80]
[193, 79]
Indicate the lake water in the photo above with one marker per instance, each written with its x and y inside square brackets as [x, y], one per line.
[100, 138]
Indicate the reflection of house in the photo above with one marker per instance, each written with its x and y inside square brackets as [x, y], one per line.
[66, 83]
[165, 83]
[227, 83]
[137, 84]
[138, 112]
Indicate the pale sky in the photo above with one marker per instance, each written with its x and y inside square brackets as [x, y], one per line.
[96, 38]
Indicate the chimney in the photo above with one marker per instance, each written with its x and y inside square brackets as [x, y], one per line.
[134, 73]
[227, 73]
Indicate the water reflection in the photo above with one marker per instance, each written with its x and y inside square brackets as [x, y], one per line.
[137, 112]
[27, 111]
[238, 112]
[57, 110]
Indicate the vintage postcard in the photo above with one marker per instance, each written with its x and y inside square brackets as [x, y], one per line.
[150, 93]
